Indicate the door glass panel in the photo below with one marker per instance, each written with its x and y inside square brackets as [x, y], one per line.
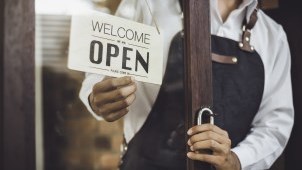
[67, 136]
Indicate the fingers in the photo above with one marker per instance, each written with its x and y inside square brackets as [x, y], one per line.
[212, 159]
[101, 99]
[227, 162]
[111, 97]
[115, 115]
[213, 145]
[207, 127]
[116, 106]
[209, 135]
[112, 83]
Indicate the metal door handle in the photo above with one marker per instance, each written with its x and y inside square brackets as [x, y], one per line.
[205, 113]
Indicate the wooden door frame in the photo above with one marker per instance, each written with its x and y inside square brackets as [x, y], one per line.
[1, 78]
[17, 63]
[197, 64]
[17, 85]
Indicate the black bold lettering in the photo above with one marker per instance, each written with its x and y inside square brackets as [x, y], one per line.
[110, 52]
[140, 59]
[100, 52]
[125, 58]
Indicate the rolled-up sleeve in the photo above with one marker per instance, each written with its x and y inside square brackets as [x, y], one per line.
[87, 85]
[273, 123]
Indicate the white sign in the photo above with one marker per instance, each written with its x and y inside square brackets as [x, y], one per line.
[113, 46]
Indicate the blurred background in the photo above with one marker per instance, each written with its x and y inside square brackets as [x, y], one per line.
[44, 125]
[68, 137]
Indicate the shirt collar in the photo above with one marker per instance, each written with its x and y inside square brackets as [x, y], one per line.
[251, 5]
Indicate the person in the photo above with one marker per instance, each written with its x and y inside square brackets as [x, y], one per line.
[252, 94]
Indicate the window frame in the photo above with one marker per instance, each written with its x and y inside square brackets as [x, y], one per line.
[17, 63]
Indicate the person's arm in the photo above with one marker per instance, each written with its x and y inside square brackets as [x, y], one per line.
[271, 128]
[128, 9]
[108, 98]
[111, 97]
[86, 89]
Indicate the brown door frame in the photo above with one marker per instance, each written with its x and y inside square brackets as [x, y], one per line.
[1, 79]
[17, 63]
[197, 64]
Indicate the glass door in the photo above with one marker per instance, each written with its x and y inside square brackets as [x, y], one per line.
[67, 135]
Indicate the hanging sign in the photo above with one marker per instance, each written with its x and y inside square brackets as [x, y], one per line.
[113, 46]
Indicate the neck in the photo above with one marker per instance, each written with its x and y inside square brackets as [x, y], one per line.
[225, 7]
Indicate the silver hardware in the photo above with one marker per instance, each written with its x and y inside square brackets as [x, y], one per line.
[243, 28]
[241, 44]
[252, 48]
[247, 39]
[234, 59]
[202, 113]
[123, 148]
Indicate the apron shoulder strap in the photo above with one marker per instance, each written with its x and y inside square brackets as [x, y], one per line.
[245, 43]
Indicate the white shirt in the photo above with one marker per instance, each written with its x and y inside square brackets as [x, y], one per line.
[271, 127]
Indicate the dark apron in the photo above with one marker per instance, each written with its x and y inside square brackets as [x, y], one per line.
[237, 93]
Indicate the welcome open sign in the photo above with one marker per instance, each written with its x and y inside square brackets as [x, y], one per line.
[113, 46]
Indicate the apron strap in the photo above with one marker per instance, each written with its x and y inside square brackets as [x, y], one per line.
[246, 28]
[245, 43]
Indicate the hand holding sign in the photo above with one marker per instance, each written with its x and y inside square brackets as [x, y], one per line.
[116, 47]
[111, 97]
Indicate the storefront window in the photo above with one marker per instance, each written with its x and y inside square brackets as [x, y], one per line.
[67, 136]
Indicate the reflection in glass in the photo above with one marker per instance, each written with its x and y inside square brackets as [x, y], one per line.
[67, 136]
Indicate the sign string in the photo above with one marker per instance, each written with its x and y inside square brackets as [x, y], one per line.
[153, 18]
